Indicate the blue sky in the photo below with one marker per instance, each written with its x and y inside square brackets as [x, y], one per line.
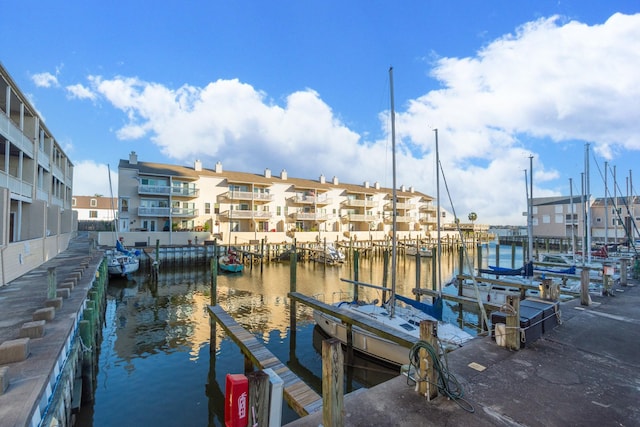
[304, 86]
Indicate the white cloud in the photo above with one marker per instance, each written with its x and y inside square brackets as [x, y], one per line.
[549, 80]
[79, 91]
[91, 178]
[44, 80]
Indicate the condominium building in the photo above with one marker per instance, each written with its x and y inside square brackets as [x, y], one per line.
[160, 197]
[566, 217]
[36, 181]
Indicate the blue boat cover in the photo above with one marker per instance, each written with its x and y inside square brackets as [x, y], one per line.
[434, 310]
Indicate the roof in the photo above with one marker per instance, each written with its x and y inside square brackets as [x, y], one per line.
[189, 173]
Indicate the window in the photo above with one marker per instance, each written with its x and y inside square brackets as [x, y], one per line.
[73, 201]
[558, 209]
[207, 208]
[546, 219]
[124, 205]
[278, 210]
[93, 214]
[93, 203]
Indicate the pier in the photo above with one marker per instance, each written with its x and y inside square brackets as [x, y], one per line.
[299, 395]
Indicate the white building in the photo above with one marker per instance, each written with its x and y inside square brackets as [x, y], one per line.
[159, 198]
[36, 180]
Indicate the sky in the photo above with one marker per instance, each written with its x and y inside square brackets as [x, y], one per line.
[518, 91]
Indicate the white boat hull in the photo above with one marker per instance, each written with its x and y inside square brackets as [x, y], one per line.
[121, 264]
[406, 321]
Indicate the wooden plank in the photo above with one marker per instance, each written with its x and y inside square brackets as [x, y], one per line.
[302, 398]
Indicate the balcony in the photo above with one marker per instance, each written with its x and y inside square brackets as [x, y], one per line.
[302, 199]
[399, 219]
[360, 203]
[13, 133]
[247, 195]
[164, 212]
[246, 214]
[309, 216]
[389, 206]
[359, 218]
[165, 190]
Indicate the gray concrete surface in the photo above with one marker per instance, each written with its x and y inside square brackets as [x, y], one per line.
[30, 380]
[585, 372]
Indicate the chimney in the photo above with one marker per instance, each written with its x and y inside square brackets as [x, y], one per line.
[366, 184]
[322, 179]
[197, 166]
[411, 189]
[133, 158]
[403, 188]
[283, 175]
[218, 167]
[376, 185]
[267, 173]
[335, 180]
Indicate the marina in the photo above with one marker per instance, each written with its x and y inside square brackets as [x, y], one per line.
[158, 352]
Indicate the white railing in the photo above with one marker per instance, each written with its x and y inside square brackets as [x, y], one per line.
[15, 135]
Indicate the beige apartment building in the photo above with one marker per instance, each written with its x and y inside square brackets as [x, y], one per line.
[564, 217]
[154, 199]
[36, 181]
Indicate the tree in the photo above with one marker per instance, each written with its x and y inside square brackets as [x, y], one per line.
[473, 216]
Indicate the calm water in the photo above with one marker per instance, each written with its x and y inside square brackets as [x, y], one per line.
[156, 367]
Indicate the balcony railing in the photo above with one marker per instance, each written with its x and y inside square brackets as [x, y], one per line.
[164, 212]
[13, 133]
[361, 203]
[248, 195]
[399, 218]
[359, 218]
[389, 206]
[311, 200]
[247, 214]
[309, 216]
[165, 190]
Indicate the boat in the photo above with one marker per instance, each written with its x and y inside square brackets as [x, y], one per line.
[412, 250]
[394, 314]
[286, 254]
[327, 253]
[230, 262]
[122, 262]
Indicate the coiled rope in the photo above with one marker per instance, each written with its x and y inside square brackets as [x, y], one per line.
[447, 383]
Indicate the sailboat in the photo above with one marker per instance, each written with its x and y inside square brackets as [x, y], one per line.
[404, 317]
[120, 261]
[230, 262]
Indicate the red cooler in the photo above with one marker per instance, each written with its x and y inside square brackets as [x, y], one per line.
[236, 400]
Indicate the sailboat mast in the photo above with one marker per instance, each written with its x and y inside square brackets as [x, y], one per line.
[588, 201]
[392, 301]
[573, 237]
[439, 251]
[530, 210]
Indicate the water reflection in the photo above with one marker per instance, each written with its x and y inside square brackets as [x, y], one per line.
[155, 365]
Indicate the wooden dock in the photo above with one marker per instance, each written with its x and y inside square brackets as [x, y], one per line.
[298, 395]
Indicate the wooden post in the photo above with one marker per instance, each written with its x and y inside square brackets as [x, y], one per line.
[512, 323]
[585, 298]
[53, 283]
[498, 254]
[332, 383]
[293, 262]
[385, 273]
[624, 264]
[428, 384]
[513, 255]
[418, 268]
[356, 266]
[479, 256]
[259, 401]
[214, 277]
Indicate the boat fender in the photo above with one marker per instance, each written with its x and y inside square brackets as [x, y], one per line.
[488, 297]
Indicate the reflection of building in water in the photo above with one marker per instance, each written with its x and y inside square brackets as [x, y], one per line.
[172, 315]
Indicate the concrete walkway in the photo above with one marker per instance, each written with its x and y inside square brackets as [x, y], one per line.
[28, 383]
[585, 372]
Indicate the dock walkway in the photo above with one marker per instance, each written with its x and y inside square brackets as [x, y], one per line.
[584, 372]
[298, 394]
[31, 380]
